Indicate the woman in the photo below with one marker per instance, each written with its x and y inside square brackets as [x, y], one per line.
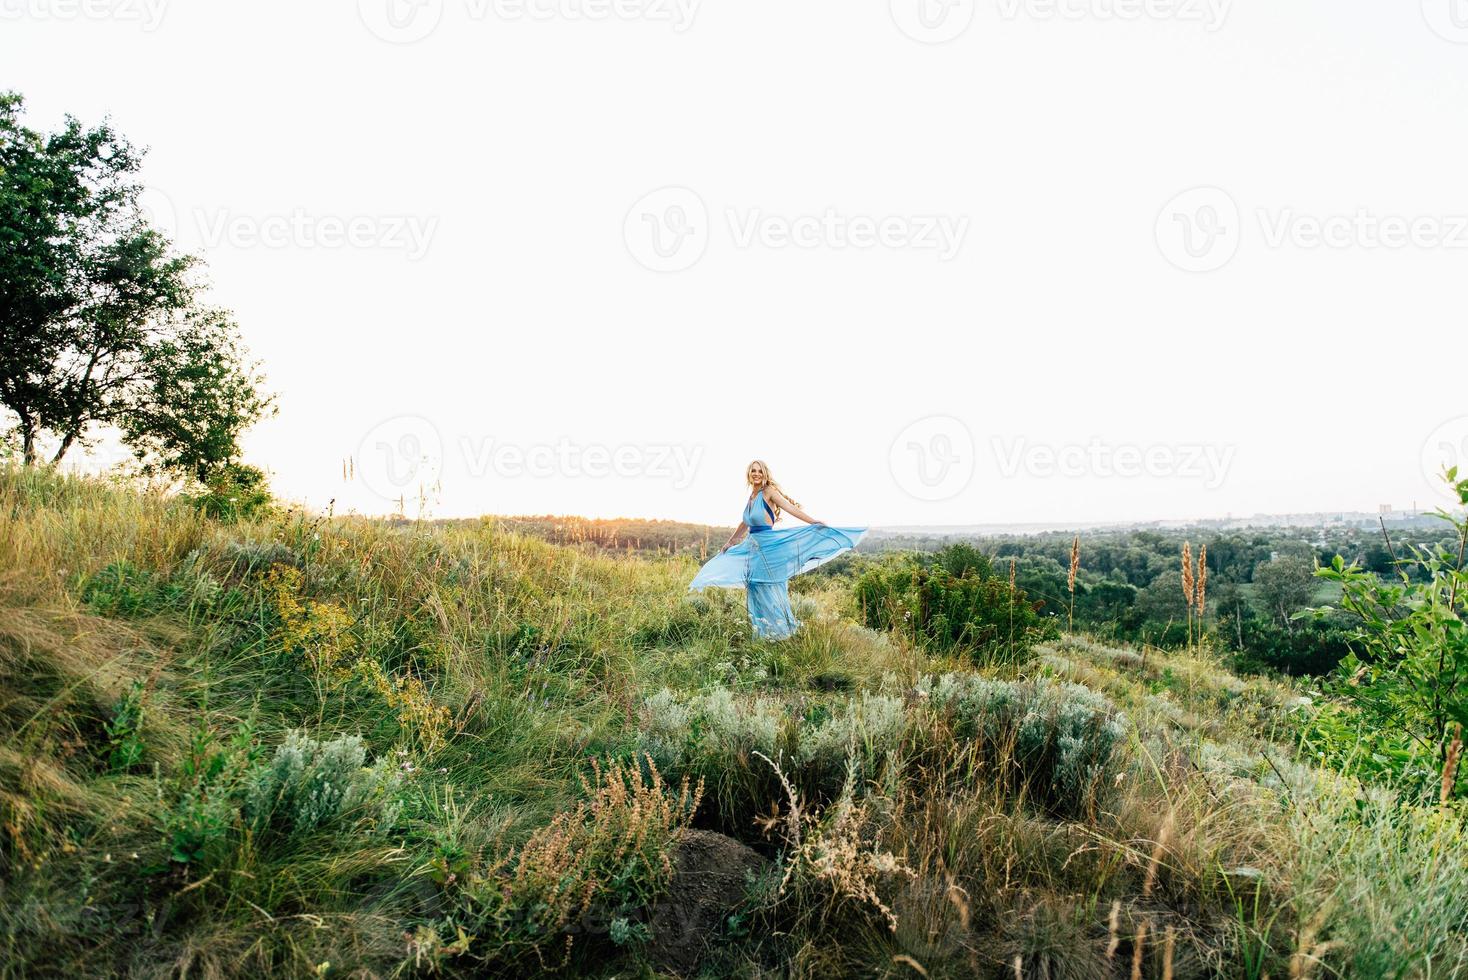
[761, 558]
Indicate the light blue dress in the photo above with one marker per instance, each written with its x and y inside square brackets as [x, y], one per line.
[765, 561]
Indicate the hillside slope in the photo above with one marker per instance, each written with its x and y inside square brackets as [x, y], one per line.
[300, 746]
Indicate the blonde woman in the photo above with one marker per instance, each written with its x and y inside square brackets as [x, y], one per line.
[761, 558]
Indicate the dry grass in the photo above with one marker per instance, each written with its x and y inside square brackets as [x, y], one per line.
[491, 667]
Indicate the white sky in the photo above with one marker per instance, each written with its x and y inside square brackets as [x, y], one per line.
[521, 150]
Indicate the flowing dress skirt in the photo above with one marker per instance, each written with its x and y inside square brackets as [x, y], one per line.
[765, 561]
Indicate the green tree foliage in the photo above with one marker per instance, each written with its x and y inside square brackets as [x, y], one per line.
[101, 322]
[953, 600]
[1284, 585]
[1408, 671]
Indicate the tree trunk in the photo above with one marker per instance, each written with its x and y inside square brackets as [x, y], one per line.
[66, 442]
[27, 441]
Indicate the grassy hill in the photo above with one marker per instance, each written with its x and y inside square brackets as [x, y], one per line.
[307, 747]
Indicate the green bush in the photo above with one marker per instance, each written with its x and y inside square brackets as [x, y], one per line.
[953, 600]
[204, 810]
[1309, 649]
[310, 784]
[123, 589]
[233, 492]
[859, 735]
[1058, 742]
[1407, 674]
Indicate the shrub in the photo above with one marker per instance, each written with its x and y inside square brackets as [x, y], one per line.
[321, 632]
[123, 589]
[608, 858]
[205, 808]
[835, 859]
[124, 735]
[1056, 741]
[857, 738]
[248, 558]
[310, 784]
[953, 600]
[1407, 674]
[233, 492]
[1306, 649]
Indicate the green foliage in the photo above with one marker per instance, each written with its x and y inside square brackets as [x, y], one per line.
[100, 320]
[1058, 742]
[123, 589]
[124, 730]
[233, 492]
[1408, 675]
[1301, 649]
[204, 811]
[953, 600]
[1284, 585]
[310, 784]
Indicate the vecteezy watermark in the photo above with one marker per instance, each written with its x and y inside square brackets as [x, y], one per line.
[1362, 229]
[409, 233]
[400, 457]
[933, 458]
[1211, 14]
[406, 21]
[668, 230]
[1201, 230]
[573, 460]
[941, 233]
[1208, 464]
[1447, 18]
[1446, 447]
[147, 14]
[932, 21]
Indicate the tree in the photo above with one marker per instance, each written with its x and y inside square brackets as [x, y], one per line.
[100, 320]
[1284, 586]
[198, 391]
[1408, 670]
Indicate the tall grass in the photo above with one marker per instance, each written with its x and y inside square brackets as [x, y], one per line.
[303, 746]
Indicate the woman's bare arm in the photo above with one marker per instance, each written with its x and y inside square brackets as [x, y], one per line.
[736, 537]
[789, 508]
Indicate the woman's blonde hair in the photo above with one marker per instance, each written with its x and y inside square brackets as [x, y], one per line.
[769, 482]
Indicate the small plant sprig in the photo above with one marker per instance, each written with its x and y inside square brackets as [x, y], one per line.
[1070, 583]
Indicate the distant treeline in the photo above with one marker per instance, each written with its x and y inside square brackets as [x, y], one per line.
[1130, 582]
[621, 534]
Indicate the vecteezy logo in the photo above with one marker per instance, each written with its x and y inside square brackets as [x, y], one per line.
[933, 458]
[1448, 19]
[400, 457]
[667, 230]
[1199, 230]
[1446, 447]
[400, 21]
[157, 209]
[932, 21]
